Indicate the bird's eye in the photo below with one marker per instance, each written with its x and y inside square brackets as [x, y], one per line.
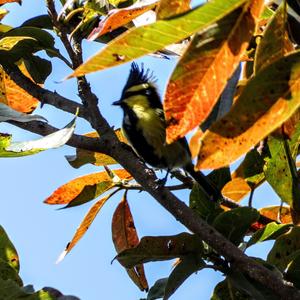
[147, 92]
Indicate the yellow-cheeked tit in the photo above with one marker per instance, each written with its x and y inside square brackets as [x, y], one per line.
[144, 126]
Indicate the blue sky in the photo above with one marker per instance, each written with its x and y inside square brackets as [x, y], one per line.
[40, 232]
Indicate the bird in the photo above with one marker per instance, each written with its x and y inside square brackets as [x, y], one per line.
[144, 126]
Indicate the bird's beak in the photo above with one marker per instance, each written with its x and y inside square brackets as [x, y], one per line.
[117, 102]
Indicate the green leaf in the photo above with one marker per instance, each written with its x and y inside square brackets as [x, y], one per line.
[8, 272]
[159, 248]
[42, 21]
[186, 267]
[38, 68]
[143, 40]
[270, 232]
[157, 291]
[234, 224]
[280, 170]
[293, 271]
[8, 252]
[207, 209]
[285, 249]
[220, 177]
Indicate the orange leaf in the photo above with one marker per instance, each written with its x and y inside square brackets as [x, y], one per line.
[195, 143]
[67, 192]
[167, 9]
[203, 72]
[118, 18]
[236, 189]
[268, 100]
[14, 96]
[9, 1]
[124, 236]
[84, 226]
[272, 212]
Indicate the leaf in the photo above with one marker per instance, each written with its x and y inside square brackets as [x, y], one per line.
[251, 168]
[83, 157]
[293, 271]
[75, 188]
[285, 248]
[124, 237]
[7, 272]
[137, 42]
[41, 21]
[157, 248]
[270, 232]
[280, 171]
[38, 68]
[274, 97]
[213, 54]
[277, 212]
[8, 252]
[119, 17]
[187, 266]
[9, 114]
[167, 9]
[14, 96]
[275, 42]
[9, 1]
[207, 209]
[235, 223]
[53, 140]
[157, 291]
[84, 226]
[236, 189]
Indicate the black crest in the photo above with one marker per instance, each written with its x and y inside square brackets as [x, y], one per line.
[138, 75]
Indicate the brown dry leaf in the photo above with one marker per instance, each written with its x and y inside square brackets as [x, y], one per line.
[268, 100]
[118, 18]
[167, 8]
[272, 212]
[202, 73]
[236, 189]
[83, 157]
[124, 237]
[14, 96]
[67, 192]
[84, 226]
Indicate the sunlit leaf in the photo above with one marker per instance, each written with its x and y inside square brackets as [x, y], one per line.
[281, 213]
[275, 42]
[10, 1]
[84, 226]
[167, 9]
[124, 237]
[236, 189]
[270, 232]
[268, 100]
[160, 248]
[120, 17]
[202, 73]
[75, 188]
[14, 96]
[137, 42]
[83, 157]
[8, 252]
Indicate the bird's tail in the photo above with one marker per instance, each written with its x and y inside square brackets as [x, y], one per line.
[208, 187]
